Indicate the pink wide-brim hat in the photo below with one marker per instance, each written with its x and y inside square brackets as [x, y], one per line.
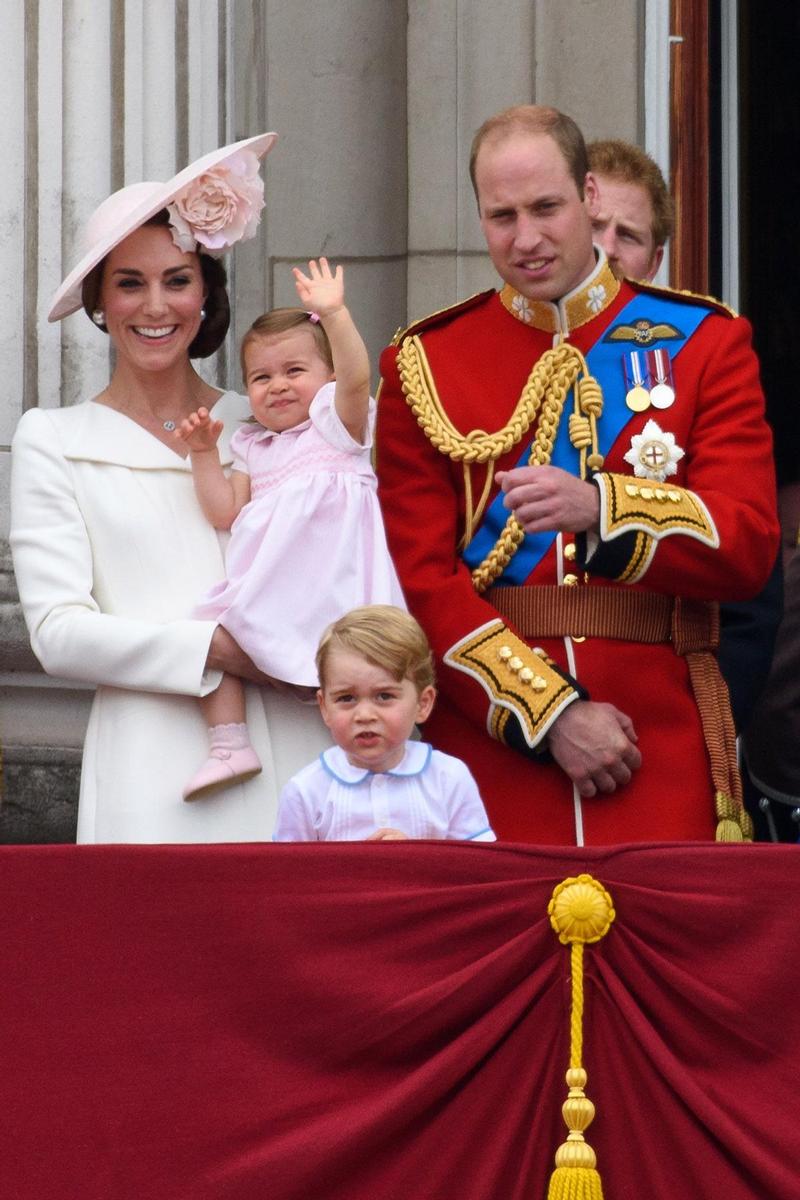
[124, 211]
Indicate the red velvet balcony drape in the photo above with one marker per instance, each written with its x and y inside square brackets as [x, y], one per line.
[391, 1022]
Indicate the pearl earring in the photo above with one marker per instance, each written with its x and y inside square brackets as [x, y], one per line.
[202, 314]
[99, 317]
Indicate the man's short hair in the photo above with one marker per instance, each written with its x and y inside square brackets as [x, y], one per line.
[535, 119]
[626, 163]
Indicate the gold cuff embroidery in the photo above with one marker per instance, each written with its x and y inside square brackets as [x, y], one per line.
[655, 509]
[496, 722]
[514, 677]
[643, 551]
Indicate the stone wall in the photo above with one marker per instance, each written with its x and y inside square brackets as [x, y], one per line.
[375, 101]
[42, 726]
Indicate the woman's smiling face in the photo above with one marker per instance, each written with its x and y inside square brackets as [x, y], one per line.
[152, 295]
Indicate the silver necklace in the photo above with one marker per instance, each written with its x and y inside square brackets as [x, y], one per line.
[168, 425]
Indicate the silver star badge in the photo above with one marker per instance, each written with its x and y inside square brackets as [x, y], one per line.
[654, 454]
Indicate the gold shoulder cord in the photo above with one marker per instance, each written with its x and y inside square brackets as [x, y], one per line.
[543, 395]
[657, 289]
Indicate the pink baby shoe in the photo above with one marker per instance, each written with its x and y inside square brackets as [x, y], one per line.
[222, 768]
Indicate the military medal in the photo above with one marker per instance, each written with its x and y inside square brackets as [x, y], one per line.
[662, 393]
[637, 396]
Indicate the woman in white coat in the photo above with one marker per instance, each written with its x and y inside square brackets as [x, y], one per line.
[111, 550]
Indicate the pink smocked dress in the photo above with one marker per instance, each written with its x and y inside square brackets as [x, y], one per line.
[309, 545]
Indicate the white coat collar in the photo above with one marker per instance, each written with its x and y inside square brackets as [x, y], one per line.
[413, 762]
[97, 433]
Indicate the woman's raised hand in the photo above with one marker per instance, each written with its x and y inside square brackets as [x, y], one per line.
[199, 431]
[323, 292]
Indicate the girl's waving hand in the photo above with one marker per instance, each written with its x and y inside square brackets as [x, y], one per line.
[322, 292]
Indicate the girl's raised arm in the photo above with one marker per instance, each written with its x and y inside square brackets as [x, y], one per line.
[322, 292]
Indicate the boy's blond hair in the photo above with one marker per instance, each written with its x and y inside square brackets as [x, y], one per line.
[385, 636]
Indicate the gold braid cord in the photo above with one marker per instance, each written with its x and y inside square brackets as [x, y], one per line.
[734, 823]
[543, 396]
[581, 912]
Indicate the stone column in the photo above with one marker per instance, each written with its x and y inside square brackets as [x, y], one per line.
[461, 68]
[331, 79]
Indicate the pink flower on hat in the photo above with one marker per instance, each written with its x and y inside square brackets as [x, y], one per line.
[220, 207]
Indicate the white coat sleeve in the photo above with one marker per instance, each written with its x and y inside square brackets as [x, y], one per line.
[52, 554]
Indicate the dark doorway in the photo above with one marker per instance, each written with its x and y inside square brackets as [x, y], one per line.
[770, 211]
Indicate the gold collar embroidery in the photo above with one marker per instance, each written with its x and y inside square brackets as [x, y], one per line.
[573, 310]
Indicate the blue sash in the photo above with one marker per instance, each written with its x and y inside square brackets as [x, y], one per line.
[605, 363]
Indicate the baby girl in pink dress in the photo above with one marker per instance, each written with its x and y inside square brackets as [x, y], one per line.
[307, 541]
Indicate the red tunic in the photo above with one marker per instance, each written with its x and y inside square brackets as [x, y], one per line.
[480, 356]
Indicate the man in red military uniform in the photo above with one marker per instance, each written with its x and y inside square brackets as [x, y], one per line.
[571, 469]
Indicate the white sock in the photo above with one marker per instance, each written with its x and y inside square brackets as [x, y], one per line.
[235, 736]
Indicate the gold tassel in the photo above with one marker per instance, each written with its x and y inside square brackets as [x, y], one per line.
[734, 823]
[581, 912]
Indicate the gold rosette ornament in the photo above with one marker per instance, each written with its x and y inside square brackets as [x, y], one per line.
[581, 912]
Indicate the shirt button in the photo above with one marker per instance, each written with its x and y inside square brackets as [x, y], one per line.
[570, 580]
[570, 551]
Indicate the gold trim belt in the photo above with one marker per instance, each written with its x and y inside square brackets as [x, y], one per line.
[545, 611]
